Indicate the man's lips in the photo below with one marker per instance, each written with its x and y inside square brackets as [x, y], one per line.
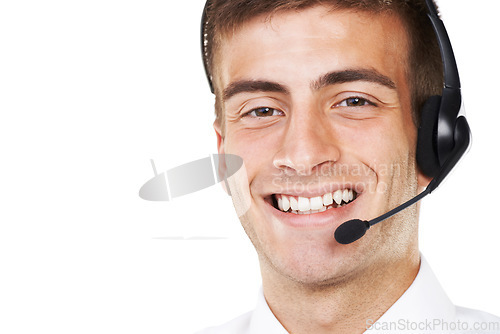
[330, 216]
[296, 204]
[310, 205]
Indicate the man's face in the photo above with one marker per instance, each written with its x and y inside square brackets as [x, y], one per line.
[317, 104]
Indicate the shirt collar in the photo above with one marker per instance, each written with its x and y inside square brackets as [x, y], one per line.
[263, 319]
[424, 300]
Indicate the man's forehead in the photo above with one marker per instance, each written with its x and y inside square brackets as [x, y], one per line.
[267, 34]
[276, 19]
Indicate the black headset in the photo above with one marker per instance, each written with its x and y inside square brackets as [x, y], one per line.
[443, 134]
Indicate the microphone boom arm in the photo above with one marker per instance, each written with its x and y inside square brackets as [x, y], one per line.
[401, 207]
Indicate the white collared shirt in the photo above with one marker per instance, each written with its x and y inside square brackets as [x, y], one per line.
[423, 308]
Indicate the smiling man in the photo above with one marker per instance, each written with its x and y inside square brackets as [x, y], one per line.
[321, 99]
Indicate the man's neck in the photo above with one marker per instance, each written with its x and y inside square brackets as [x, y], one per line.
[343, 307]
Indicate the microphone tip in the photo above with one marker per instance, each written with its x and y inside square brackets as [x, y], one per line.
[351, 231]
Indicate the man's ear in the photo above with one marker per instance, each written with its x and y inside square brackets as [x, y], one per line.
[221, 168]
[220, 139]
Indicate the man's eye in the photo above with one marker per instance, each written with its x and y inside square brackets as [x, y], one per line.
[264, 112]
[355, 102]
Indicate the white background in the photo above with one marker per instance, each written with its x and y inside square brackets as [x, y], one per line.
[91, 90]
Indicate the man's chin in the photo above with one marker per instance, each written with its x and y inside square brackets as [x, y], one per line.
[302, 248]
[316, 273]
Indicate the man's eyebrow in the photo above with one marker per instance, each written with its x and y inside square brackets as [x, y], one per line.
[249, 86]
[331, 78]
[344, 76]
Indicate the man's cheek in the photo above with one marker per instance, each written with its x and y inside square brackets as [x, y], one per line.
[239, 189]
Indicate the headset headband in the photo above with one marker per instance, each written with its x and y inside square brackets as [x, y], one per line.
[450, 70]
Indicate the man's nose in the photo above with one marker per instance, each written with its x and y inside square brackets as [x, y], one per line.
[308, 145]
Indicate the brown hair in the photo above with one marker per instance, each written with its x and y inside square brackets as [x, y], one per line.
[425, 73]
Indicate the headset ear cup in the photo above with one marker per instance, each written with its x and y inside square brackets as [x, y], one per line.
[427, 157]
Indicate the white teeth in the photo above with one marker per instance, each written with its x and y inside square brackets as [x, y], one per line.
[316, 203]
[327, 199]
[304, 204]
[337, 197]
[286, 203]
[345, 195]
